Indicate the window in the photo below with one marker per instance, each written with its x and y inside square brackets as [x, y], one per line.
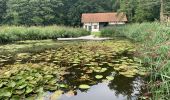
[85, 26]
[95, 26]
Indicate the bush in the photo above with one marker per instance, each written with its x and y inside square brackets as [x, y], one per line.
[111, 31]
[18, 33]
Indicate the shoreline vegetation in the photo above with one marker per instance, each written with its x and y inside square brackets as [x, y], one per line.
[20, 33]
[154, 40]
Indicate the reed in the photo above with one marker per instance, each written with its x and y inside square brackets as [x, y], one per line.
[155, 51]
[20, 33]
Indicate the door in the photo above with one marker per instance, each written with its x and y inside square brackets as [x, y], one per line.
[90, 28]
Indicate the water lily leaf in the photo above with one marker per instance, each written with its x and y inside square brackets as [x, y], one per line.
[28, 89]
[63, 86]
[51, 87]
[39, 90]
[7, 74]
[88, 64]
[70, 93]
[84, 86]
[98, 76]
[48, 76]
[5, 92]
[97, 70]
[18, 77]
[110, 64]
[12, 84]
[19, 92]
[22, 86]
[75, 64]
[56, 95]
[52, 82]
[30, 78]
[130, 76]
[142, 73]
[103, 70]
[15, 97]
[3, 83]
[110, 78]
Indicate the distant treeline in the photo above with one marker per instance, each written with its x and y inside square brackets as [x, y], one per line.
[68, 12]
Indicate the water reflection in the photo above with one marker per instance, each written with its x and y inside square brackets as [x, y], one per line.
[119, 89]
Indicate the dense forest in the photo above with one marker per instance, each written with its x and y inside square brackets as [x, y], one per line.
[68, 12]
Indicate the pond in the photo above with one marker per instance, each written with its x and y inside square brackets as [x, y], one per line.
[72, 70]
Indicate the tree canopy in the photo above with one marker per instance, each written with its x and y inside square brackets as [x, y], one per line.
[68, 12]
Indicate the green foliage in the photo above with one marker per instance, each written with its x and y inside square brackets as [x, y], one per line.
[34, 12]
[146, 11]
[140, 10]
[2, 9]
[14, 33]
[111, 31]
[87, 6]
[23, 80]
[68, 12]
[154, 49]
[48, 12]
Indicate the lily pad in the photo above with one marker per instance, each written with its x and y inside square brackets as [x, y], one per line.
[103, 70]
[110, 78]
[84, 86]
[98, 76]
[63, 86]
[56, 95]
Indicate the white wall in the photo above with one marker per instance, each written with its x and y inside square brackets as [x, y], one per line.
[86, 26]
[92, 25]
[114, 23]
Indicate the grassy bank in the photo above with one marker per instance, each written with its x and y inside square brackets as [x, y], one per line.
[14, 33]
[154, 50]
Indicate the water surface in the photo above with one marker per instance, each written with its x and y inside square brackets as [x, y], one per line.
[56, 71]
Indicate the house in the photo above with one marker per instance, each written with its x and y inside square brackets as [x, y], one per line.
[96, 21]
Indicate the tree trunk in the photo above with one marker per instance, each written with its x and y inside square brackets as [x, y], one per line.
[161, 12]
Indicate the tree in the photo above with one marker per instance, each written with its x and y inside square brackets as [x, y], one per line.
[87, 6]
[2, 9]
[140, 10]
[68, 12]
[128, 7]
[147, 11]
[32, 12]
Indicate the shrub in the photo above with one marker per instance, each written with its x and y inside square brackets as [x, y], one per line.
[111, 31]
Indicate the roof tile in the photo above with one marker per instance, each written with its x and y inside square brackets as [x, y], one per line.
[103, 17]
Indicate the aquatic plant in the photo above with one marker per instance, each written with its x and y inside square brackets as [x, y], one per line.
[84, 86]
[153, 40]
[85, 63]
[20, 33]
[25, 80]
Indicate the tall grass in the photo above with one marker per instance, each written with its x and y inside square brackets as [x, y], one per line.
[18, 33]
[155, 51]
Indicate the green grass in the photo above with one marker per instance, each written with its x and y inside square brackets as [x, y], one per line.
[96, 34]
[20, 33]
[154, 50]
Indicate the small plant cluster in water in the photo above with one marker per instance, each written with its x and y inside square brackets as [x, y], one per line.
[77, 65]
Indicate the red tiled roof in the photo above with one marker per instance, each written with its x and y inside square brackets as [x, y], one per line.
[103, 17]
